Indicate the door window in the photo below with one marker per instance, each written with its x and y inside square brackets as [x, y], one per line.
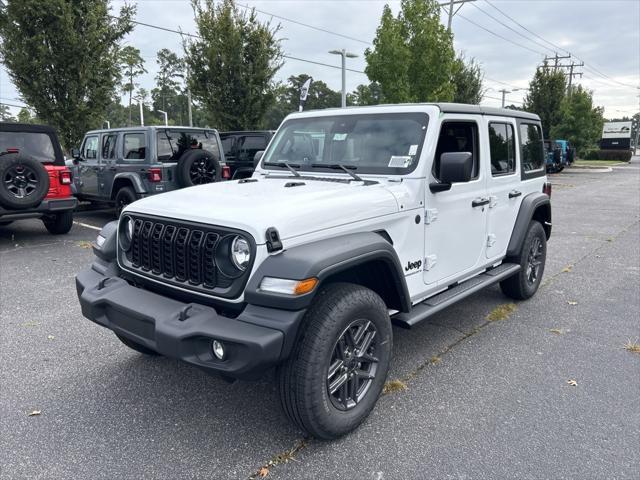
[90, 148]
[109, 146]
[134, 146]
[458, 137]
[249, 146]
[531, 146]
[502, 149]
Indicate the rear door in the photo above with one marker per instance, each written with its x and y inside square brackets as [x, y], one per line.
[503, 180]
[89, 166]
[108, 143]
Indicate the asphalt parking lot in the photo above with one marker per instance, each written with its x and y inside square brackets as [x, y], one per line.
[483, 399]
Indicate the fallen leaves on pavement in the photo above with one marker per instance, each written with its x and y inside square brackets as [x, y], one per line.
[263, 472]
[632, 346]
[571, 302]
[34, 413]
[573, 383]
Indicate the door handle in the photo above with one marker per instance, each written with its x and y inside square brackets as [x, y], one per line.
[479, 202]
[514, 193]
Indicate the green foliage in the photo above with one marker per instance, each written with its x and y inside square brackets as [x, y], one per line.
[366, 95]
[25, 116]
[412, 58]
[467, 81]
[63, 57]
[581, 122]
[233, 64]
[132, 64]
[5, 114]
[546, 92]
[167, 94]
[596, 154]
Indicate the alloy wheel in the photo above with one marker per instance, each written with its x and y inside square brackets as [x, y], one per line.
[21, 181]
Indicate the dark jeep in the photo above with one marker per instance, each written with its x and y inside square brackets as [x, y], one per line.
[122, 165]
[34, 181]
[240, 149]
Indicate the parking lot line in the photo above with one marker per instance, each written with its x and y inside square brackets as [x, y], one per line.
[86, 225]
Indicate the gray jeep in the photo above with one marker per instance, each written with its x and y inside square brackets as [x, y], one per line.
[122, 165]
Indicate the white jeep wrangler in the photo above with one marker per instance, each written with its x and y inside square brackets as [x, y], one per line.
[354, 219]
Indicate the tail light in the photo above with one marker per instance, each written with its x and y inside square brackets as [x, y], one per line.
[65, 177]
[155, 175]
[13, 150]
[226, 172]
[547, 188]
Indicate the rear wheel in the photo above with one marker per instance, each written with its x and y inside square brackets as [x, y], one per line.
[124, 197]
[59, 223]
[533, 255]
[337, 369]
[136, 346]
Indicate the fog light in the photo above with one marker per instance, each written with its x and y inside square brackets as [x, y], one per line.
[218, 349]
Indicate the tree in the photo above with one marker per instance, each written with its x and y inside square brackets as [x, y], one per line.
[581, 122]
[168, 95]
[467, 81]
[412, 57]
[24, 116]
[62, 57]
[133, 65]
[232, 64]
[5, 114]
[546, 92]
[370, 94]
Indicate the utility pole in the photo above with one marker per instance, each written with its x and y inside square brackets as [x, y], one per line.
[504, 91]
[571, 74]
[450, 11]
[555, 59]
[189, 98]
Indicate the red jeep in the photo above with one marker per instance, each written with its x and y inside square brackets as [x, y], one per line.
[34, 181]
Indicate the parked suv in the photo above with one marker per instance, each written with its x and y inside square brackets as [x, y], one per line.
[240, 150]
[354, 219]
[34, 181]
[122, 165]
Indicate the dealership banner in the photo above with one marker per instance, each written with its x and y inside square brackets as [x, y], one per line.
[304, 92]
[616, 130]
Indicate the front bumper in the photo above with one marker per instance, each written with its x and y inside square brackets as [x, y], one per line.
[47, 206]
[254, 341]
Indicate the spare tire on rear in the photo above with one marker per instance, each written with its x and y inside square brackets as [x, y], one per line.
[24, 182]
[197, 167]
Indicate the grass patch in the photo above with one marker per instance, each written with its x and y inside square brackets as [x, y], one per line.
[84, 244]
[557, 331]
[435, 360]
[597, 163]
[632, 346]
[394, 386]
[279, 459]
[501, 312]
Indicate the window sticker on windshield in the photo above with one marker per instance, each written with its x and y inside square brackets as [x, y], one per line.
[413, 149]
[339, 137]
[400, 161]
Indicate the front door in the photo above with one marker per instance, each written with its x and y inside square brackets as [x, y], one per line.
[89, 166]
[455, 220]
[108, 155]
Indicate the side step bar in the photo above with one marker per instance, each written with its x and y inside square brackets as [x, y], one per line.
[442, 300]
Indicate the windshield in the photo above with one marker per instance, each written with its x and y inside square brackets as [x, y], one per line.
[31, 144]
[173, 142]
[387, 143]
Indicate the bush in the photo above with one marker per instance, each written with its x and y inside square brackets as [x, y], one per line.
[595, 154]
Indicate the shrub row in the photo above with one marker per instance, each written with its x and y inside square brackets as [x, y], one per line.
[595, 154]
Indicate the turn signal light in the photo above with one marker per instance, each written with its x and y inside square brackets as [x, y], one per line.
[288, 287]
[155, 175]
[65, 177]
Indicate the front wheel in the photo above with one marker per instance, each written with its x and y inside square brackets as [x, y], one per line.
[58, 223]
[124, 197]
[533, 255]
[337, 369]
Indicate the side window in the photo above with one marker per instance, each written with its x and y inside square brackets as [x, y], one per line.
[531, 146]
[249, 146]
[458, 137]
[109, 146]
[502, 148]
[134, 147]
[90, 148]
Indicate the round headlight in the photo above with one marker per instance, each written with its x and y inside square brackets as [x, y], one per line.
[126, 233]
[240, 253]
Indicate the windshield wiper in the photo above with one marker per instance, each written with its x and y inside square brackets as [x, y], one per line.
[337, 166]
[287, 165]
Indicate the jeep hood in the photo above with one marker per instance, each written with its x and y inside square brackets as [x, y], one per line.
[273, 202]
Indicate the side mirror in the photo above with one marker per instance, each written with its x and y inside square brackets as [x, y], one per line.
[257, 157]
[75, 153]
[455, 167]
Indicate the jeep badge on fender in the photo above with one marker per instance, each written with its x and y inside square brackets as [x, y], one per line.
[193, 274]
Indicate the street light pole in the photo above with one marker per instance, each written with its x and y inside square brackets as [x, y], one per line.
[141, 112]
[344, 54]
[166, 119]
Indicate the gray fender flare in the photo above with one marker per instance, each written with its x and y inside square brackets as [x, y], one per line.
[131, 177]
[322, 259]
[534, 206]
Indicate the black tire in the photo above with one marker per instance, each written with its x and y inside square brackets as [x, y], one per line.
[136, 346]
[338, 311]
[24, 182]
[198, 167]
[59, 223]
[533, 255]
[560, 168]
[124, 197]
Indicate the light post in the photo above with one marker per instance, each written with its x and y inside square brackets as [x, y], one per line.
[344, 54]
[505, 91]
[166, 118]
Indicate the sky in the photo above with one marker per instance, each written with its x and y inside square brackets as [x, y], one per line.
[604, 34]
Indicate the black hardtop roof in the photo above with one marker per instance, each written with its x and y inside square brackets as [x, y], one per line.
[246, 132]
[26, 127]
[147, 128]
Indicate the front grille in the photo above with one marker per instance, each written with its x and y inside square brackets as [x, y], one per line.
[183, 254]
